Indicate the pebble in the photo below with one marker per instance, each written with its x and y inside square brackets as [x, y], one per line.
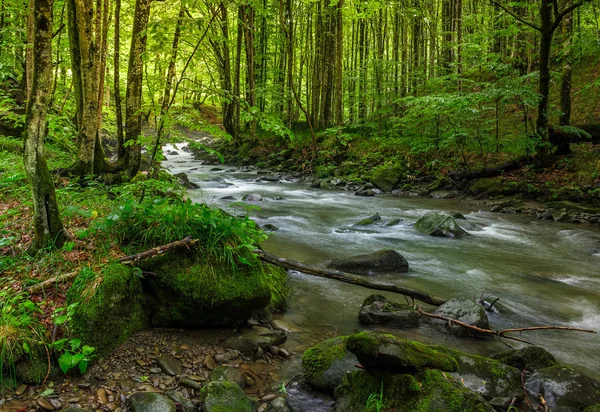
[189, 383]
[111, 406]
[155, 370]
[45, 404]
[197, 378]
[249, 381]
[274, 350]
[21, 390]
[284, 353]
[268, 398]
[262, 407]
[209, 362]
[102, 398]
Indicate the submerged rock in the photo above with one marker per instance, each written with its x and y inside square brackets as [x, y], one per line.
[369, 220]
[150, 402]
[184, 181]
[224, 396]
[464, 310]
[279, 404]
[228, 373]
[325, 364]
[258, 337]
[564, 387]
[531, 358]
[383, 261]
[376, 309]
[252, 198]
[439, 224]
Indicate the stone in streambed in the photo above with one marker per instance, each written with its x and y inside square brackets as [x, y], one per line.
[325, 364]
[377, 309]
[279, 404]
[248, 341]
[181, 401]
[150, 402]
[252, 198]
[224, 396]
[228, 373]
[369, 220]
[565, 388]
[439, 224]
[383, 261]
[170, 365]
[463, 310]
[184, 181]
[532, 358]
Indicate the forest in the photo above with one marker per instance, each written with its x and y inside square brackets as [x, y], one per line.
[299, 205]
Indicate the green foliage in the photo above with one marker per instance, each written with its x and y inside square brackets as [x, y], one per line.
[20, 330]
[375, 401]
[160, 221]
[72, 354]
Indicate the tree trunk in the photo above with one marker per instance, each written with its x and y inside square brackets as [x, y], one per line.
[117, 81]
[46, 221]
[133, 98]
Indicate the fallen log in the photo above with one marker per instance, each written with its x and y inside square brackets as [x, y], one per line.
[348, 278]
[50, 283]
[490, 171]
[159, 250]
[501, 334]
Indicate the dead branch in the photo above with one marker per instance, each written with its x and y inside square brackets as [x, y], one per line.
[50, 283]
[501, 333]
[348, 278]
[159, 250]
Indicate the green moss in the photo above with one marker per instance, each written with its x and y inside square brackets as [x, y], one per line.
[387, 177]
[189, 284]
[491, 186]
[379, 349]
[317, 359]
[31, 370]
[224, 396]
[112, 307]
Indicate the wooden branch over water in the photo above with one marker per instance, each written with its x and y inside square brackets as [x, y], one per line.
[159, 250]
[348, 278]
[501, 333]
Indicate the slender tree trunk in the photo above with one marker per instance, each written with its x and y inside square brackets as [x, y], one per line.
[117, 82]
[46, 221]
[133, 98]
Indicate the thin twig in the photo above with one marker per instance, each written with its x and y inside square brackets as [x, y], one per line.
[525, 390]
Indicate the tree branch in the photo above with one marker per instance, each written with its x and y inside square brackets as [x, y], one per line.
[533, 26]
[567, 11]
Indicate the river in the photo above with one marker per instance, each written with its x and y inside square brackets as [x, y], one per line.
[544, 273]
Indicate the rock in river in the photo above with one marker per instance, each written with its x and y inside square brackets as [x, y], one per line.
[325, 364]
[253, 198]
[184, 181]
[565, 388]
[439, 224]
[464, 310]
[384, 261]
[376, 309]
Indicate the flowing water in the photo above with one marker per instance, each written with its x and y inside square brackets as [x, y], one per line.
[544, 273]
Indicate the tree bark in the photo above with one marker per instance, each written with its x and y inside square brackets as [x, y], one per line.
[133, 98]
[117, 81]
[46, 220]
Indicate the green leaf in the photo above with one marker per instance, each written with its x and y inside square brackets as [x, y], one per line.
[75, 343]
[65, 362]
[61, 319]
[87, 350]
[26, 347]
[47, 392]
[83, 365]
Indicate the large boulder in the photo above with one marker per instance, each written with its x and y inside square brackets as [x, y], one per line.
[531, 358]
[388, 352]
[384, 261]
[228, 373]
[184, 181]
[564, 387]
[428, 391]
[249, 340]
[439, 224]
[376, 309]
[150, 402]
[115, 310]
[221, 396]
[387, 177]
[325, 364]
[464, 310]
[192, 292]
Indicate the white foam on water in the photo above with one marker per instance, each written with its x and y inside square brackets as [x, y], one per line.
[570, 280]
[590, 315]
[496, 231]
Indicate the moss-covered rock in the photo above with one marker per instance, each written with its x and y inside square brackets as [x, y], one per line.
[427, 391]
[193, 292]
[439, 224]
[383, 261]
[571, 206]
[490, 187]
[32, 369]
[464, 310]
[112, 307]
[227, 373]
[224, 396]
[387, 177]
[325, 364]
[595, 408]
[564, 387]
[531, 358]
[249, 340]
[388, 352]
[377, 309]
[150, 402]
